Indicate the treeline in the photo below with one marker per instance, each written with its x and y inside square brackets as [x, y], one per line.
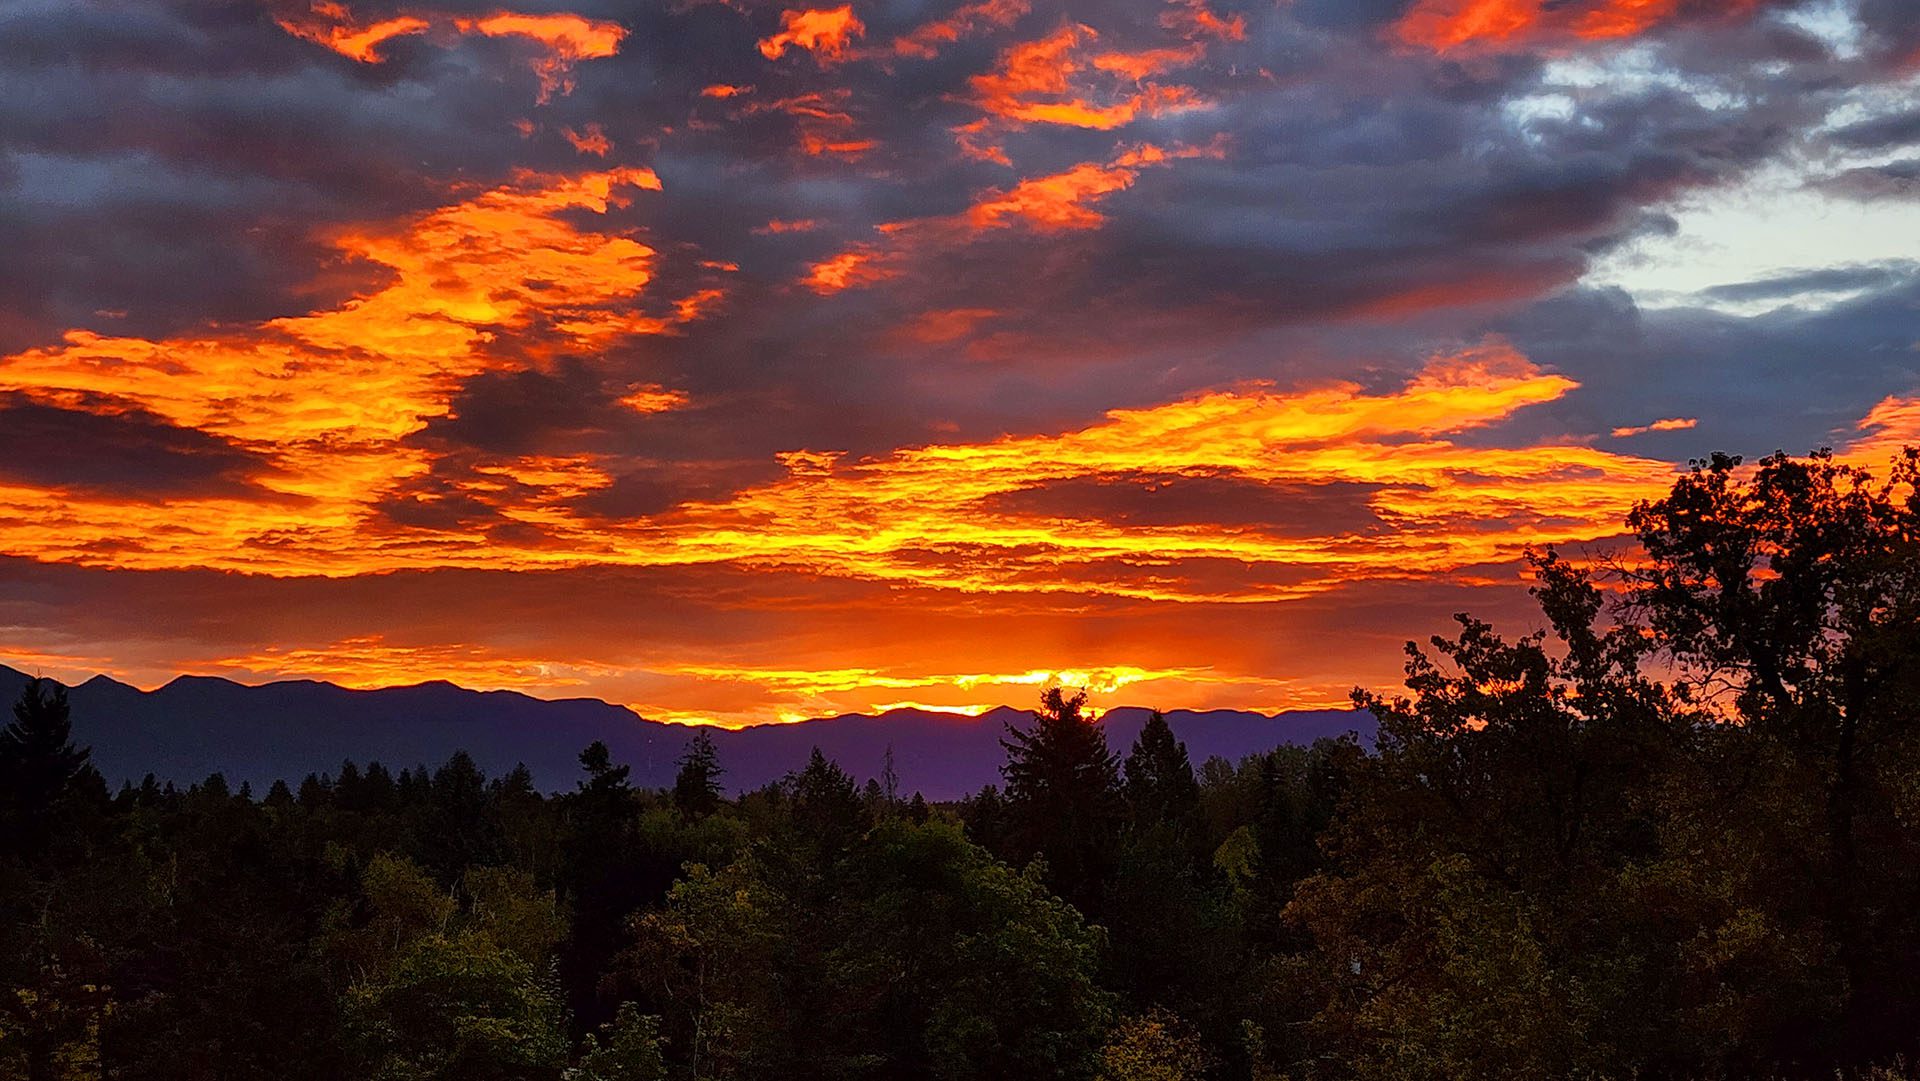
[1672, 833]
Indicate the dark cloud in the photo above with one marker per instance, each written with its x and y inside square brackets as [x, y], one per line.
[1843, 279]
[1790, 379]
[1894, 180]
[102, 446]
[1173, 499]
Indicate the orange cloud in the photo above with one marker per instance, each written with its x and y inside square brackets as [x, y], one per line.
[1448, 25]
[946, 325]
[590, 140]
[1441, 505]
[825, 33]
[335, 27]
[482, 284]
[821, 117]
[567, 40]
[1046, 81]
[966, 21]
[1195, 19]
[1670, 424]
[846, 270]
[778, 226]
[1053, 203]
[654, 398]
[724, 90]
[1888, 428]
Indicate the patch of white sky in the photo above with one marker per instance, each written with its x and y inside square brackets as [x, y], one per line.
[1777, 222]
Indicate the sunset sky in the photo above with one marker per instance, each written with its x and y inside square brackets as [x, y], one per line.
[744, 362]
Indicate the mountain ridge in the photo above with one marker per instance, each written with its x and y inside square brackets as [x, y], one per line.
[193, 726]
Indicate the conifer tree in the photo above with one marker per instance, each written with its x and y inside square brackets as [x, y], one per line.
[696, 788]
[38, 760]
[1063, 793]
[1159, 777]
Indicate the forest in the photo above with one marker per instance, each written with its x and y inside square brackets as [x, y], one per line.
[1672, 832]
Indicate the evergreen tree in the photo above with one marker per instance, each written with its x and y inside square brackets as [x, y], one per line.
[38, 761]
[696, 788]
[828, 812]
[1063, 794]
[1160, 785]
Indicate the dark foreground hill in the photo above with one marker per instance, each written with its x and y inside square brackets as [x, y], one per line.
[198, 725]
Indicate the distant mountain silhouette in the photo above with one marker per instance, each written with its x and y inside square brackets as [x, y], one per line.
[197, 725]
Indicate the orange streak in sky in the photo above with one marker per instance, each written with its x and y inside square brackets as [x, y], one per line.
[966, 21]
[1053, 203]
[824, 33]
[1448, 25]
[1889, 427]
[589, 140]
[1056, 202]
[1064, 80]
[329, 397]
[1670, 424]
[846, 270]
[566, 39]
[333, 26]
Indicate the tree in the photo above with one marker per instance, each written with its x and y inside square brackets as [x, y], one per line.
[38, 762]
[1516, 885]
[1790, 597]
[973, 971]
[1160, 786]
[627, 1049]
[696, 788]
[442, 995]
[1155, 1046]
[1063, 794]
[827, 811]
[458, 1008]
[603, 777]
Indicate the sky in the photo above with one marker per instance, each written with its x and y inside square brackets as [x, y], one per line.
[744, 362]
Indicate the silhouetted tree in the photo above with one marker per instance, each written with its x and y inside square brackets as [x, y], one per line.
[696, 788]
[38, 762]
[1159, 780]
[1063, 794]
[1791, 595]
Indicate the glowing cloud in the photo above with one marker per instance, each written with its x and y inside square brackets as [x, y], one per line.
[335, 27]
[328, 398]
[565, 39]
[1054, 203]
[590, 140]
[1670, 424]
[966, 21]
[1888, 428]
[846, 270]
[825, 33]
[1447, 25]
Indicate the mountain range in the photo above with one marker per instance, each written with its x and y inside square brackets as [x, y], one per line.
[198, 725]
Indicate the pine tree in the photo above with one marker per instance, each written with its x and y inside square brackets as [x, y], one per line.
[1063, 794]
[696, 788]
[1160, 785]
[37, 757]
[826, 807]
[605, 791]
[38, 762]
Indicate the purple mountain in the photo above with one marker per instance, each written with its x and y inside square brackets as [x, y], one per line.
[198, 725]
